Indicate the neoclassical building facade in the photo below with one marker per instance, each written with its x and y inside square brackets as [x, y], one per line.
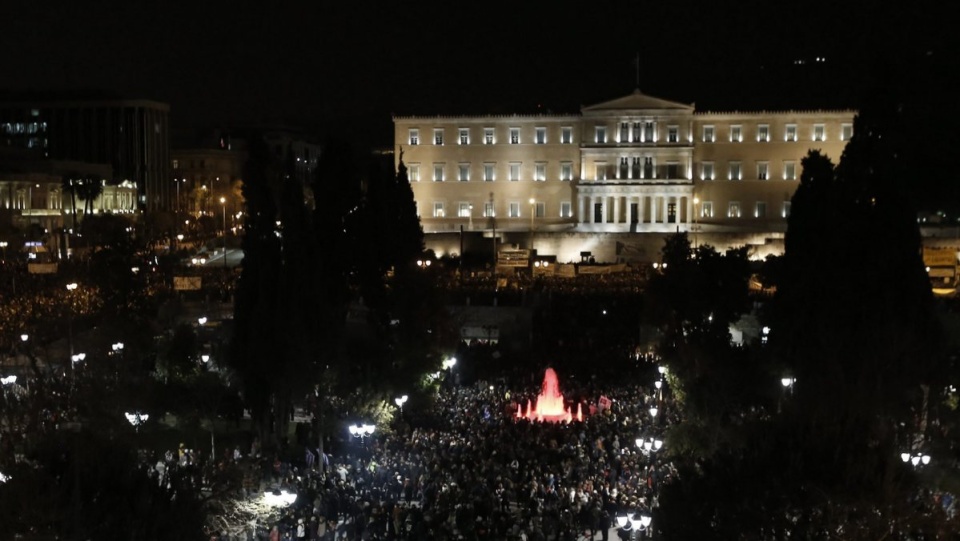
[635, 164]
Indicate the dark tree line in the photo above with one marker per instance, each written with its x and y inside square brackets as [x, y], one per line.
[304, 267]
[853, 329]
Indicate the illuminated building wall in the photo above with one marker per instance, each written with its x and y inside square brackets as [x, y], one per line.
[131, 136]
[635, 164]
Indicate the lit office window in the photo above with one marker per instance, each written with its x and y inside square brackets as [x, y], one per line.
[736, 133]
[763, 133]
[790, 133]
[733, 209]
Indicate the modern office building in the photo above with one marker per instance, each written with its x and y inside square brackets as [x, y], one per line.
[130, 136]
[616, 172]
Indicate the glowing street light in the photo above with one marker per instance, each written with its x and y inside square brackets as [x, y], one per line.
[71, 287]
[118, 347]
[449, 363]
[202, 320]
[24, 337]
[533, 213]
[648, 446]
[279, 498]
[361, 431]
[653, 412]
[78, 358]
[9, 380]
[916, 460]
[223, 204]
[400, 401]
[205, 358]
[136, 419]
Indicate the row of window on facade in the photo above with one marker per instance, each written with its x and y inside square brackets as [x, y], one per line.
[539, 210]
[637, 132]
[763, 171]
[11, 128]
[489, 172]
[629, 168]
[490, 136]
[735, 210]
[638, 168]
[36, 197]
[762, 133]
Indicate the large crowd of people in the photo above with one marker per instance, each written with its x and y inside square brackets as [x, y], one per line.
[470, 469]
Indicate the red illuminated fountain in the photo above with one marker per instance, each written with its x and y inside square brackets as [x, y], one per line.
[550, 406]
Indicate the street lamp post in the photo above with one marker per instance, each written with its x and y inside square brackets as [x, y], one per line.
[533, 213]
[400, 401]
[3, 246]
[71, 287]
[696, 219]
[787, 384]
[448, 365]
[223, 205]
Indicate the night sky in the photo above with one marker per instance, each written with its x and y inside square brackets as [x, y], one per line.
[347, 66]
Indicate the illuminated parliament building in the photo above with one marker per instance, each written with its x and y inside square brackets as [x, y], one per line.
[614, 179]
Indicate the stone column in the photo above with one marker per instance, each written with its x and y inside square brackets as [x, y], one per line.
[617, 201]
[629, 209]
[663, 217]
[581, 217]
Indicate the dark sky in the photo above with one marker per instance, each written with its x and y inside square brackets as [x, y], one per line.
[349, 65]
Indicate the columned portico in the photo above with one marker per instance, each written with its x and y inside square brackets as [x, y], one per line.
[624, 208]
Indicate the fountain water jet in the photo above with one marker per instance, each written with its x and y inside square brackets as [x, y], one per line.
[549, 406]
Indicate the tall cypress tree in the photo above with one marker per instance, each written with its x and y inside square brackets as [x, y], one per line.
[256, 306]
[853, 324]
[856, 327]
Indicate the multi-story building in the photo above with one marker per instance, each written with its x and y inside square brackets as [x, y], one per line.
[630, 166]
[203, 175]
[130, 136]
[37, 204]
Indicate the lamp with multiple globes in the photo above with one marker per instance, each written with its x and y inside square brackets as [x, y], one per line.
[650, 445]
[279, 498]
[634, 524]
[136, 418]
[915, 460]
[361, 431]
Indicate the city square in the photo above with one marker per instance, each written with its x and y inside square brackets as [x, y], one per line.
[629, 271]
